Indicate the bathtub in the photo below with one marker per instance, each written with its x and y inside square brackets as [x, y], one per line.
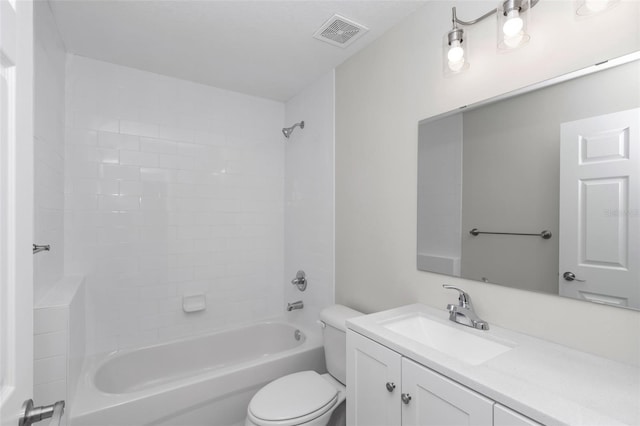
[203, 380]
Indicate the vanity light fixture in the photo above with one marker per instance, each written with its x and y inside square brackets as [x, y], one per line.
[592, 7]
[512, 32]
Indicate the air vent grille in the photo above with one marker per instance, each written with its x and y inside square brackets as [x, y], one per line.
[340, 31]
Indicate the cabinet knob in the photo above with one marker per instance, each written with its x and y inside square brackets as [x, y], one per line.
[391, 386]
[406, 398]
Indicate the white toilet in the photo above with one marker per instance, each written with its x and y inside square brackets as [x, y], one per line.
[308, 398]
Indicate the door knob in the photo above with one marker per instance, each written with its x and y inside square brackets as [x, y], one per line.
[570, 276]
[31, 414]
[406, 398]
[391, 386]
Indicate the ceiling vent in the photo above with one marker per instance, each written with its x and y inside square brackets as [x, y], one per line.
[340, 31]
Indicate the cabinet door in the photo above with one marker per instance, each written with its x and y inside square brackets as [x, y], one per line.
[438, 401]
[503, 416]
[373, 383]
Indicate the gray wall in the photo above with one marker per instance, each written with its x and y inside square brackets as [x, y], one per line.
[511, 171]
[440, 195]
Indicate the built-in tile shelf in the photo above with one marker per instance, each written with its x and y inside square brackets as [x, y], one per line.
[59, 341]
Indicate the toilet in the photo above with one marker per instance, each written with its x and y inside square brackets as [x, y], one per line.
[308, 398]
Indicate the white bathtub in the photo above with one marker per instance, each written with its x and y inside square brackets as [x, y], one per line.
[205, 380]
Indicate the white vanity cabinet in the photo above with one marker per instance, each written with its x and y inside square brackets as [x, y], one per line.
[373, 383]
[503, 416]
[438, 401]
[413, 366]
[386, 389]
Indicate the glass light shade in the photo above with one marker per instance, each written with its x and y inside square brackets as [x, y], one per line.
[592, 7]
[512, 24]
[455, 52]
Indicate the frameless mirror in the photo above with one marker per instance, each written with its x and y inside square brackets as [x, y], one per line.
[539, 189]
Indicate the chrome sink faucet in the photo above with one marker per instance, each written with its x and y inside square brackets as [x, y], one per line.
[463, 312]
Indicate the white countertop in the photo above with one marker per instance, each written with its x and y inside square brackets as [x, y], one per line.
[547, 382]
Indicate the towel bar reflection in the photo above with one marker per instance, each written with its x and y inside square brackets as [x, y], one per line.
[38, 249]
[545, 235]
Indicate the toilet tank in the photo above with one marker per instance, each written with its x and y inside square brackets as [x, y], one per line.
[334, 335]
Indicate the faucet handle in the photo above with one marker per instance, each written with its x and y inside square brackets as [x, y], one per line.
[463, 297]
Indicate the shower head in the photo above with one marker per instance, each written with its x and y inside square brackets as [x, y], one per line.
[286, 131]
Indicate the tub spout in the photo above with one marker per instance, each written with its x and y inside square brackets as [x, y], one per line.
[295, 305]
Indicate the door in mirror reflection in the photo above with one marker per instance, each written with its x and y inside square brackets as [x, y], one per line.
[600, 186]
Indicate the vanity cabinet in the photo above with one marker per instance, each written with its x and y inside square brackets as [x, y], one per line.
[373, 383]
[503, 416]
[436, 400]
[385, 388]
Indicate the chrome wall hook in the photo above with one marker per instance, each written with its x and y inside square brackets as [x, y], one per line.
[37, 248]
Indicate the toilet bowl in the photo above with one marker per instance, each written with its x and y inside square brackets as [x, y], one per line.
[305, 398]
[308, 398]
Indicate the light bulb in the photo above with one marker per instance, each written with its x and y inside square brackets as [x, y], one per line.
[514, 41]
[596, 5]
[456, 52]
[456, 66]
[514, 24]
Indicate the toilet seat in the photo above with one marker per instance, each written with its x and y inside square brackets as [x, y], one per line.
[293, 400]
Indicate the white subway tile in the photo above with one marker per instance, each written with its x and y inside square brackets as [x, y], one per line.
[176, 134]
[48, 320]
[151, 174]
[82, 170]
[81, 136]
[179, 274]
[175, 162]
[119, 172]
[50, 392]
[49, 369]
[120, 235]
[157, 146]
[81, 201]
[118, 202]
[192, 204]
[90, 120]
[49, 344]
[118, 141]
[135, 158]
[139, 128]
[130, 188]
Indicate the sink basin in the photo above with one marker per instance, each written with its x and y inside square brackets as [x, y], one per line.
[466, 346]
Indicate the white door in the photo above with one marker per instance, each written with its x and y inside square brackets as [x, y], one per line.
[16, 207]
[600, 209]
[373, 383]
[430, 399]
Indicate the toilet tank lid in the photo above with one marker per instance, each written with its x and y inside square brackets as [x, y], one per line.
[336, 315]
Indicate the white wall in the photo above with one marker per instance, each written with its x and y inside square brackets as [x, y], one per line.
[309, 197]
[382, 93]
[172, 188]
[49, 119]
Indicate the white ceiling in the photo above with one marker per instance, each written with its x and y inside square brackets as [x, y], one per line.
[263, 48]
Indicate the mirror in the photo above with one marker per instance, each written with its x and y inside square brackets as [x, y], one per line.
[539, 189]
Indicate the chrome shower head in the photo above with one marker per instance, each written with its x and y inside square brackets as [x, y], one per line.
[286, 131]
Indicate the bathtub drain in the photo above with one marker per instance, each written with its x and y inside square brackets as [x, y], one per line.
[297, 334]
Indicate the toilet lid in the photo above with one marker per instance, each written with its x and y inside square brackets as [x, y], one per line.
[293, 396]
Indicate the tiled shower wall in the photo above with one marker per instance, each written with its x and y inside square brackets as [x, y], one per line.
[171, 188]
[49, 119]
[309, 197]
